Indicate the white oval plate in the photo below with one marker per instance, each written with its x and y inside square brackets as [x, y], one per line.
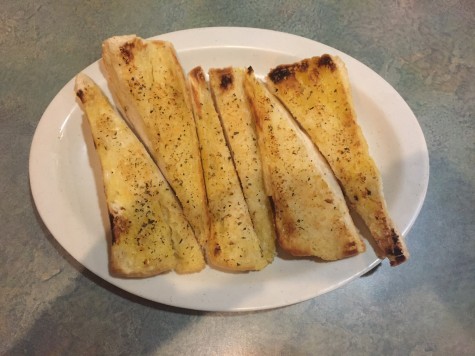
[66, 181]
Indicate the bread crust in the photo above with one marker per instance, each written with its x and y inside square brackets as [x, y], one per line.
[150, 234]
[312, 218]
[233, 243]
[236, 118]
[317, 93]
[149, 87]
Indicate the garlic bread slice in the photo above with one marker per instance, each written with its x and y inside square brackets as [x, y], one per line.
[149, 86]
[150, 234]
[317, 93]
[312, 217]
[236, 118]
[233, 243]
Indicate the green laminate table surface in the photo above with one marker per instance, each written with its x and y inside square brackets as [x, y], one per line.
[50, 304]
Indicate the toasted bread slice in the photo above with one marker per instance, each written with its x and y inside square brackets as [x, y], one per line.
[233, 243]
[149, 86]
[317, 93]
[236, 118]
[150, 234]
[312, 217]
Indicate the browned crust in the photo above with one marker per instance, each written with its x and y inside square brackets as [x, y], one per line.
[300, 230]
[145, 239]
[285, 71]
[233, 244]
[149, 85]
[291, 80]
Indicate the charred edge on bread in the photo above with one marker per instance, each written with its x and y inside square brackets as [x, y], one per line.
[198, 74]
[226, 81]
[80, 95]
[398, 257]
[394, 237]
[250, 70]
[302, 66]
[396, 251]
[126, 51]
[326, 61]
[398, 260]
[350, 249]
[120, 226]
[282, 72]
[197, 80]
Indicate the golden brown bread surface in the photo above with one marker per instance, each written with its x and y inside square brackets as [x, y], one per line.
[155, 231]
[316, 91]
[149, 87]
[231, 103]
[312, 218]
[233, 243]
[150, 234]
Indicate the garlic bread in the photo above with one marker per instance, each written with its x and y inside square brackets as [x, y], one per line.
[150, 234]
[233, 243]
[317, 93]
[312, 217]
[149, 86]
[236, 118]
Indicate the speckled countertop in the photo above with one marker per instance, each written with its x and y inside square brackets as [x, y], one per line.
[49, 304]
